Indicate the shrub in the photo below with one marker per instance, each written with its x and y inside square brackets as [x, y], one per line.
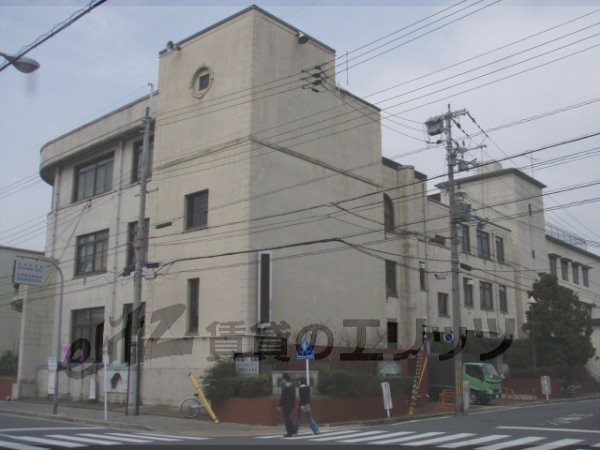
[222, 382]
[344, 383]
[253, 386]
[8, 363]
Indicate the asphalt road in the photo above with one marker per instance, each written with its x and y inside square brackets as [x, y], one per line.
[565, 425]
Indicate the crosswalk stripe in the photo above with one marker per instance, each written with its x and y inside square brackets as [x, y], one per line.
[469, 442]
[438, 440]
[274, 436]
[185, 438]
[154, 438]
[83, 440]
[373, 438]
[515, 443]
[556, 444]
[39, 440]
[332, 438]
[124, 439]
[408, 438]
[17, 446]
[328, 433]
[596, 445]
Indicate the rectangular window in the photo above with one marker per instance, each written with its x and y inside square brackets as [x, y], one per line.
[502, 299]
[553, 265]
[391, 288]
[564, 269]
[499, 250]
[442, 304]
[93, 178]
[136, 166]
[265, 285]
[131, 237]
[128, 315]
[575, 273]
[483, 244]
[468, 292]
[485, 296]
[438, 239]
[92, 253]
[585, 272]
[392, 334]
[196, 210]
[88, 325]
[193, 301]
[422, 276]
[465, 239]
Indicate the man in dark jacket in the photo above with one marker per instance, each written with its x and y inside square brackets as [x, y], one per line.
[286, 403]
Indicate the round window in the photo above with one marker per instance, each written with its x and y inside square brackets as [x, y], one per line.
[201, 82]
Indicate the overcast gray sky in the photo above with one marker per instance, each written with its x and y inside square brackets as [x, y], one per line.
[107, 58]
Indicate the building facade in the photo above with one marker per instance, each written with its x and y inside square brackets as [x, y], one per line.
[269, 210]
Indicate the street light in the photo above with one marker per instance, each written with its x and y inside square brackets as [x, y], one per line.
[22, 64]
[531, 302]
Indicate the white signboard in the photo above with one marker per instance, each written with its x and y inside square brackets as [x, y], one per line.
[52, 366]
[29, 271]
[546, 387]
[116, 380]
[387, 397]
[246, 365]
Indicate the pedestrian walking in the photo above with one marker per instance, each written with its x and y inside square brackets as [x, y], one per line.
[287, 399]
[304, 407]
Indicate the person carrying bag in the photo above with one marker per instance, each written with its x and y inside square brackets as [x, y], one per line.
[304, 407]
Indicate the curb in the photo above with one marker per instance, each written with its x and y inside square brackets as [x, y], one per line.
[78, 420]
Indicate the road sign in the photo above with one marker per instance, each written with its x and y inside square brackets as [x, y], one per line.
[448, 337]
[306, 350]
[28, 271]
[387, 397]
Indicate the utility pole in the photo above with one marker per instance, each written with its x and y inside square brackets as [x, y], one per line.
[459, 212]
[133, 404]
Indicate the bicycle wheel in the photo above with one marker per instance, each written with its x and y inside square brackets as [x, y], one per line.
[190, 407]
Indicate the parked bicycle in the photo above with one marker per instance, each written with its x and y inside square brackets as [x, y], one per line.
[191, 407]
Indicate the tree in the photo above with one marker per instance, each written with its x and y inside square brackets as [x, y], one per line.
[562, 325]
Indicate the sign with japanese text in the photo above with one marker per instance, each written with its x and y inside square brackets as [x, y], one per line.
[28, 271]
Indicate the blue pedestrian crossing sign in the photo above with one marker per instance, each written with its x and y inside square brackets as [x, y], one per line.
[305, 351]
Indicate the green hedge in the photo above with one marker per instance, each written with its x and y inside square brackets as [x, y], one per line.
[222, 382]
[8, 363]
[345, 383]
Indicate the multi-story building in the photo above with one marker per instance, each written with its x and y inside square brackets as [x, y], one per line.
[269, 206]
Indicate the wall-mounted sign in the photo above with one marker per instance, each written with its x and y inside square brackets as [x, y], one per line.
[116, 380]
[28, 271]
[246, 364]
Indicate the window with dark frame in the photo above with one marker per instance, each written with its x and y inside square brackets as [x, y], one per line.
[468, 292]
[585, 274]
[499, 250]
[486, 296]
[502, 299]
[196, 210]
[203, 81]
[564, 269]
[136, 166]
[442, 304]
[92, 253]
[438, 239]
[465, 239]
[93, 178]
[575, 273]
[87, 325]
[422, 276]
[128, 319]
[483, 244]
[131, 237]
[391, 287]
[553, 265]
[264, 287]
[388, 214]
[193, 301]
[392, 334]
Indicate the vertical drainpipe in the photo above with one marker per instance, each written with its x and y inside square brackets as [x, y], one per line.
[55, 199]
[426, 245]
[117, 230]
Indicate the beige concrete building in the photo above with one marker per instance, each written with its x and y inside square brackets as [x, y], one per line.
[266, 212]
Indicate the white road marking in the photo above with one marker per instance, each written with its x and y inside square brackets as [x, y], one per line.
[304, 433]
[422, 420]
[329, 438]
[39, 440]
[566, 430]
[17, 446]
[83, 440]
[481, 440]
[154, 438]
[185, 438]
[437, 440]
[127, 439]
[556, 444]
[5, 430]
[513, 443]
[325, 434]
[596, 445]
[409, 438]
[373, 438]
